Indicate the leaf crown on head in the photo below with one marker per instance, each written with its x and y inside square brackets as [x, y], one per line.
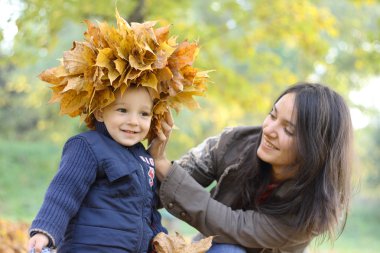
[112, 59]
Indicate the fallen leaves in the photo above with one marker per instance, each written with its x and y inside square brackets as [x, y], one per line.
[163, 243]
[13, 237]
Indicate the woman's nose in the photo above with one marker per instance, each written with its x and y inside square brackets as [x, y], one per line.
[270, 130]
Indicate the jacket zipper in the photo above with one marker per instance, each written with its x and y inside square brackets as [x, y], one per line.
[142, 207]
[143, 191]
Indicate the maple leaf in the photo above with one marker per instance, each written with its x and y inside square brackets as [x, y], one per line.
[120, 65]
[145, 32]
[71, 102]
[184, 55]
[164, 243]
[148, 80]
[79, 58]
[162, 34]
[57, 92]
[160, 107]
[93, 35]
[163, 74]
[74, 83]
[141, 59]
[53, 75]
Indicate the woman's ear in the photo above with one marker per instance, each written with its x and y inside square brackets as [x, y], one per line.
[99, 115]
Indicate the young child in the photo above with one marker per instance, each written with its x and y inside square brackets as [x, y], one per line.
[103, 194]
[121, 82]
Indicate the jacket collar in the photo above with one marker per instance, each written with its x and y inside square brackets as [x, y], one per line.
[101, 128]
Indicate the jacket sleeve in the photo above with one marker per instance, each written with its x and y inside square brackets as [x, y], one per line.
[199, 161]
[184, 198]
[67, 190]
[208, 161]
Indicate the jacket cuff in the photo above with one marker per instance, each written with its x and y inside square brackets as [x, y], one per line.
[51, 243]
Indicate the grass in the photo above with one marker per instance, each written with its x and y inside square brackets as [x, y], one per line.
[26, 170]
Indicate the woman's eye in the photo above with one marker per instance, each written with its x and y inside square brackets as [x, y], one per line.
[289, 132]
[272, 116]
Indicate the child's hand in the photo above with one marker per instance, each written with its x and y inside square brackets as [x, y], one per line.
[37, 242]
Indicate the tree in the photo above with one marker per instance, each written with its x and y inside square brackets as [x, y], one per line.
[256, 48]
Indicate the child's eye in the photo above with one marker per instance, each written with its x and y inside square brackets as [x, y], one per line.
[123, 110]
[146, 114]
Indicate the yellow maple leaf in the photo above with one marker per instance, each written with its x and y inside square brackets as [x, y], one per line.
[122, 24]
[185, 98]
[120, 65]
[163, 243]
[162, 34]
[141, 59]
[57, 92]
[74, 83]
[163, 74]
[71, 102]
[144, 32]
[104, 57]
[149, 79]
[160, 107]
[53, 75]
[103, 98]
[93, 35]
[184, 55]
[79, 58]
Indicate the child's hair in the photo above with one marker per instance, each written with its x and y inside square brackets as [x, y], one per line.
[111, 59]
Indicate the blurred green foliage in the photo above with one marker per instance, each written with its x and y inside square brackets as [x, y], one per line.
[26, 169]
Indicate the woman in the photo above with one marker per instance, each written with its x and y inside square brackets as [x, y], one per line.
[278, 185]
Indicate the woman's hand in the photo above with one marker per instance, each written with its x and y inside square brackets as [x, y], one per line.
[157, 147]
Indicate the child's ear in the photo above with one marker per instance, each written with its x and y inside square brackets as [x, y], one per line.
[99, 115]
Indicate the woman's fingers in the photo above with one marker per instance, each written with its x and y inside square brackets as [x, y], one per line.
[157, 146]
[169, 118]
[167, 129]
[161, 135]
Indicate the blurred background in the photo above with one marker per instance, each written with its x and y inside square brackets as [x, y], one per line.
[256, 47]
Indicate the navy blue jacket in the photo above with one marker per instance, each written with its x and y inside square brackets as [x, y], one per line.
[102, 199]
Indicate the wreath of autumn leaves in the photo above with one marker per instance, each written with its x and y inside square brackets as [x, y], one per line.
[111, 59]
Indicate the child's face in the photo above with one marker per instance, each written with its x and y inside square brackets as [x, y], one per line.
[129, 117]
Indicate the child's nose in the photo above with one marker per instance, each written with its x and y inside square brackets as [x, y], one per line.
[132, 119]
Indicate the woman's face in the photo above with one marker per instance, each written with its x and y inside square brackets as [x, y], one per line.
[277, 145]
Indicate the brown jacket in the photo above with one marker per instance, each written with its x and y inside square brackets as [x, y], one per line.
[182, 193]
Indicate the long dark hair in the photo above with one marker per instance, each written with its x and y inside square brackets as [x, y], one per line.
[317, 198]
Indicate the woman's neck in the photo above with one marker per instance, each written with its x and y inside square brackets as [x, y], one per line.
[280, 174]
